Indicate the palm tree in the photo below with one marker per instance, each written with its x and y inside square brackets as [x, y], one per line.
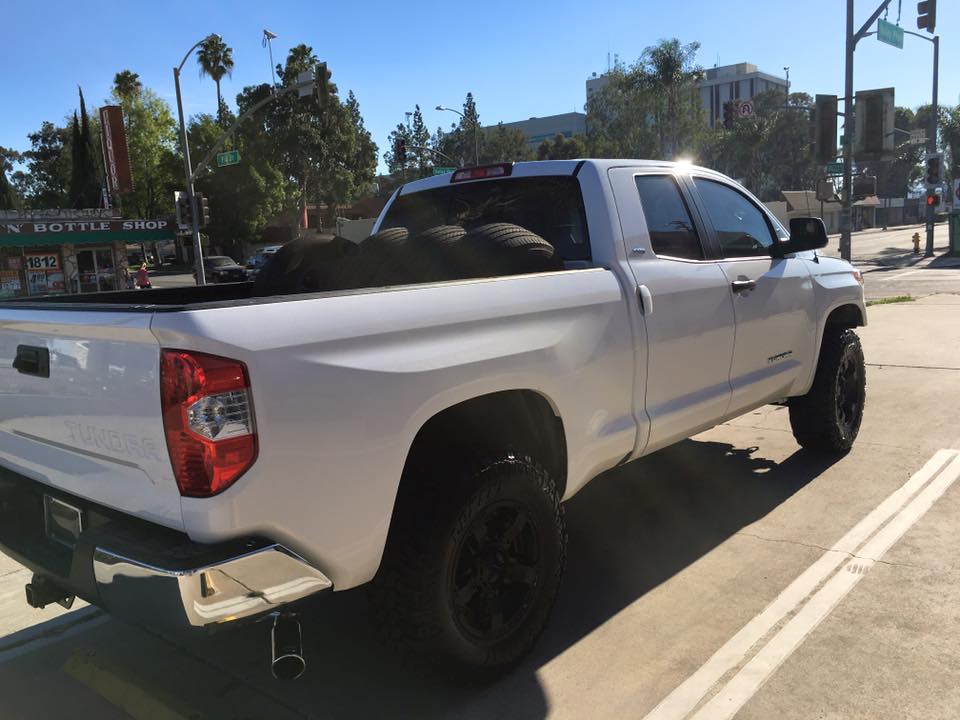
[126, 84]
[215, 58]
[670, 69]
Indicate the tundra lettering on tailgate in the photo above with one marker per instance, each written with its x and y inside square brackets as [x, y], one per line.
[112, 441]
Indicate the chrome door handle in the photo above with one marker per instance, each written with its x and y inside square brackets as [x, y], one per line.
[740, 286]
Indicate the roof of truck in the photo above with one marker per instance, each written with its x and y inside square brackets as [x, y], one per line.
[550, 167]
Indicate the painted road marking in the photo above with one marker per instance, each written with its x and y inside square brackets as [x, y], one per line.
[691, 692]
[755, 673]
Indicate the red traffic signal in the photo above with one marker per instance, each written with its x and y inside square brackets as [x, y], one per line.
[933, 200]
[927, 15]
[729, 114]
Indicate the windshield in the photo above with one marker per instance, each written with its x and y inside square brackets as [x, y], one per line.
[219, 261]
[551, 207]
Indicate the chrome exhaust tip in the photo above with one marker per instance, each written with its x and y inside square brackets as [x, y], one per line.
[286, 648]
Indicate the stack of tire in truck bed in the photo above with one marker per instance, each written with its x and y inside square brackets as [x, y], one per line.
[394, 257]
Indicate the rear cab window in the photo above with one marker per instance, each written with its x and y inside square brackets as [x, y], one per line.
[550, 206]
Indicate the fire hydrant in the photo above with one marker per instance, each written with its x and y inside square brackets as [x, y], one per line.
[916, 243]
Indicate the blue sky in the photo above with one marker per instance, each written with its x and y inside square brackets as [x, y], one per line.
[519, 58]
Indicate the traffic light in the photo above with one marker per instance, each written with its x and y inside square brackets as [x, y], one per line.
[927, 15]
[933, 175]
[729, 114]
[203, 210]
[825, 121]
[864, 186]
[323, 83]
[184, 211]
[933, 200]
[400, 150]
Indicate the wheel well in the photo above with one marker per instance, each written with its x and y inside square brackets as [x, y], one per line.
[519, 421]
[846, 316]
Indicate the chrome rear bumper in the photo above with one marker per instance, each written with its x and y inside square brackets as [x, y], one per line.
[223, 591]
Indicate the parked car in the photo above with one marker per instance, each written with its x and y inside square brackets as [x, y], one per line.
[547, 321]
[223, 269]
[256, 261]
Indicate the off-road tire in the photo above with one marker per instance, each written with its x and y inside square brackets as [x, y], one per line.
[428, 598]
[827, 419]
[504, 249]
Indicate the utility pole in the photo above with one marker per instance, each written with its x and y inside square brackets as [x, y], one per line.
[848, 124]
[932, 138]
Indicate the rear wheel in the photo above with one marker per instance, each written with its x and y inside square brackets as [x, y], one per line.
[473, 566]
[828, 417]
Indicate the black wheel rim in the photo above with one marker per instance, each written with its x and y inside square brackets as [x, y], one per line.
[497, 571]
[848, 392]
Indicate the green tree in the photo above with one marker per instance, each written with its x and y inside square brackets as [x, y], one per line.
[151, 141]
[398, 162]
[243, 197]
[669, 72]
[620, 118]
[562, 148]
[420, 138]
[45, 182]
[504, 144]
[215, 59]
[318, 143]
[8, 196]
[85, 189]
[126, 84]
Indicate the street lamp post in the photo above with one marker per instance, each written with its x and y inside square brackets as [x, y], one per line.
[476, 133]
[187, 170]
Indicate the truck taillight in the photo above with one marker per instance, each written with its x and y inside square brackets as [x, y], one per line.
[208, 420]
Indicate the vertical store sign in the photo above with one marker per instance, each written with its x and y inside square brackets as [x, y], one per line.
[115, 154]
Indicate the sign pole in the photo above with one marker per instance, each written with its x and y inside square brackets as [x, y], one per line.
[848, 129]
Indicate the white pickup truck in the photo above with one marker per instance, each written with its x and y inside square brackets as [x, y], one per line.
[411, 413]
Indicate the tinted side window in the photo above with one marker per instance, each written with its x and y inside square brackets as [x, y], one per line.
[742, 230]
[668, 220]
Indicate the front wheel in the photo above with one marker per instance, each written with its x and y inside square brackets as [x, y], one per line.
[473, 567]
[827, 418]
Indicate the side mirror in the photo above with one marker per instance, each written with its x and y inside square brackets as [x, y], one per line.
[807, 233]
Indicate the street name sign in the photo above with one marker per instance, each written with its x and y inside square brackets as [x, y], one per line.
[231, 157]
[890, 34]
[835, 168]
[442, 170]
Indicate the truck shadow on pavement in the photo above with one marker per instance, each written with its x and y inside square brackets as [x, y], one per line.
[630, 530]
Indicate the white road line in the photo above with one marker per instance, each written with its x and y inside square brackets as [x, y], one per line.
[686, 696]
[887, 278]
[755, 673]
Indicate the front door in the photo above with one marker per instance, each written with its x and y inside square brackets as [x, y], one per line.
[96, 269]
[773, 297]
[685, 323]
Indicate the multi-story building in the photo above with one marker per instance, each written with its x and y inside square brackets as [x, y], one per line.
[734, 82]
[538, 129]
[719, 85]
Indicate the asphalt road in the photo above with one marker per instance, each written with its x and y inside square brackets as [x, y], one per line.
[732, 574]
[890, 267]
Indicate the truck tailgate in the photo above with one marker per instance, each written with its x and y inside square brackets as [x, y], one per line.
[92, 425]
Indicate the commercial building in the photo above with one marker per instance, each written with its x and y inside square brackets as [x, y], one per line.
[719, 85]
[46, 252]
[732, 83]
[538, 129]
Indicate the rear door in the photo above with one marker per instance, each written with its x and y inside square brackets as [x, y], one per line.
[684, 297]
[81, 411]
[773, 297]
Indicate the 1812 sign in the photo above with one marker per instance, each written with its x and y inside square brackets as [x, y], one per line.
[41, 261]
